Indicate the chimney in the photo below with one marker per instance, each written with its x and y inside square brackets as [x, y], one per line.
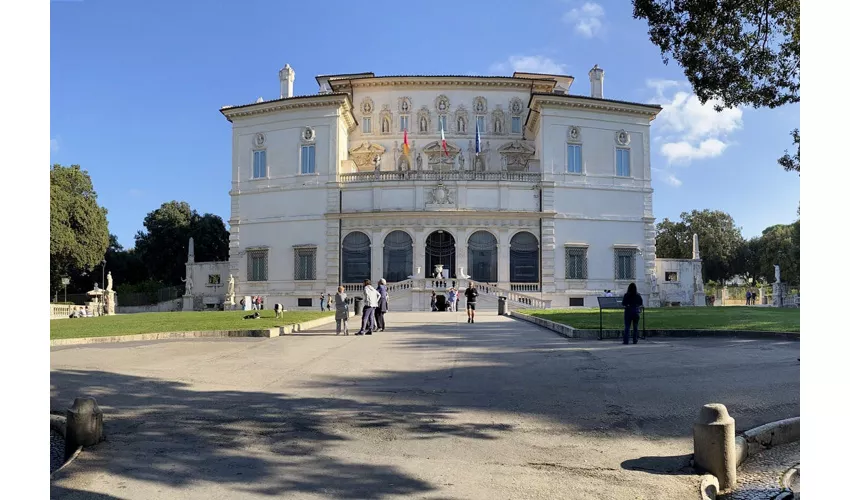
[287, 80]
[596, 76]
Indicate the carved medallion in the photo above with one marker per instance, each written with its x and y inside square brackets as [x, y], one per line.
[259, 140]
[442, 104]
[575, 133]
[367, 106]
[404, 105]
[308, 134]
[440, 195]
[623, 138]
[479, 105]
[516, 106]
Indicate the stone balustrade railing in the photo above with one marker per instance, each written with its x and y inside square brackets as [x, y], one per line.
[525, 287]
[515, 296]
[59, 311]
[435, 175]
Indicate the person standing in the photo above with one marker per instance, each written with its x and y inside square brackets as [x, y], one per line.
[341, 310]
[370, 302]
[322, 301]
[471, 294]
[382, 307]
[452, 300]
[632, 304]
[433, 300]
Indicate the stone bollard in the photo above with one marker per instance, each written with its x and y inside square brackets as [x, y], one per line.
[83, 425]
[714, 444]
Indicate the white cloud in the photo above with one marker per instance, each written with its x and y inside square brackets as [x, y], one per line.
[668, 177]
[587, 19]
[529, 64]
[684, 152]
[691, 130]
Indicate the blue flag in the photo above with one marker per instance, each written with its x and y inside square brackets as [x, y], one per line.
[477, 139]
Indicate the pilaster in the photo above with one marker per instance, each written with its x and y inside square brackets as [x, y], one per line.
[547, 247]
[377, 255]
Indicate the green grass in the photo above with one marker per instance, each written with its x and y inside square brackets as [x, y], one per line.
[131, 324]
[766, 319]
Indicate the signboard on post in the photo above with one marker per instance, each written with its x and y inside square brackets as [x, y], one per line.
[66, 281]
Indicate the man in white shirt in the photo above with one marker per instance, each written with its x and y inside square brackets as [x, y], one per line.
[370, 302]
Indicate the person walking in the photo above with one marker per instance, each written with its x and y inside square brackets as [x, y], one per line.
[433, 300]
[471, 294]
[383, 303]
[370, 302]
[341, 310]
[322, 301]
[452, 300]
[632, 304]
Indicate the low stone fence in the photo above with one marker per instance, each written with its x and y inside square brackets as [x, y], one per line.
[60, 311]
[167, 306]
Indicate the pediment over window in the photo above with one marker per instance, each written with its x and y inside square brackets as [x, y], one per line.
[364, 155]
[516, 155]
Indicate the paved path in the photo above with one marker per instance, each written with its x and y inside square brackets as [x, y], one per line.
[433, 408]
[761, 477]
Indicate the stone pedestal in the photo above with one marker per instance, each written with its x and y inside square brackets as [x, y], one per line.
[110, 297]
[778, 295]
[654, 299]
[247, 300]
[699, 299]
[188, 302]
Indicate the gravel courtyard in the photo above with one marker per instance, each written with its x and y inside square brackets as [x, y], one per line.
[433, 408]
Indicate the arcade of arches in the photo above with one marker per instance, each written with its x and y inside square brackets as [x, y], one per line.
[440, 248]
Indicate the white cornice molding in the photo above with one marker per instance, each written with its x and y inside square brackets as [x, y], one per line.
[423, 82]
[577, 103]
[343, 102]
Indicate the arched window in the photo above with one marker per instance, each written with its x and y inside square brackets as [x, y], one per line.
[398, 256]
[440, 250]
[525, 258]
[356, 258]
[483, 258]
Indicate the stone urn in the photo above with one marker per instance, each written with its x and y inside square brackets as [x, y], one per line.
[438, 270]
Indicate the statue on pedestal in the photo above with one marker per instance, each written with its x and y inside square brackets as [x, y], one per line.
[653, 282]
[776, 272]
[231, 286]
[189, 284]
[109, 281]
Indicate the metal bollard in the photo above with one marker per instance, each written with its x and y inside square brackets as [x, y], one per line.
[84, 425]
[714, 444]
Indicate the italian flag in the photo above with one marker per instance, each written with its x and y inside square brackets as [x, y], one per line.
[406, 148]
[443, 136]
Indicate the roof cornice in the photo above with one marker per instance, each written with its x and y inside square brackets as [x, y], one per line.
[495, 82]
[584, 103]
[339, 100]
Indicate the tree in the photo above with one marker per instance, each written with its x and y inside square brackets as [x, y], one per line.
[163, 247]
[737, 52]
[719, 241]
[79, 232]
[780, 244]
[125, 265]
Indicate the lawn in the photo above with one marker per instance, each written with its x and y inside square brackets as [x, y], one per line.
[130, 324]
[766, 319]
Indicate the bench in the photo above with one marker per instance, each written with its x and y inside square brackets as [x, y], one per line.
[616, 303]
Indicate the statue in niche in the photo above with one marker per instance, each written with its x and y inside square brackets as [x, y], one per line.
[419, 161]
[461, 125]
[423, 125]
[385, 126]
[479, 164]
[498, 126]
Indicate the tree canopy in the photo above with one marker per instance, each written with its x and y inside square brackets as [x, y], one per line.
[79, 232]
[738, 52]
[719, 241]
[163, 247]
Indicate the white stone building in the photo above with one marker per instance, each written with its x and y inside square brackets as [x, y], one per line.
[554, 208]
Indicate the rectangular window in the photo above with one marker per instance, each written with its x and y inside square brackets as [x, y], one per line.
[305, 302]
[479, 122]
[259, 164]
[623, 163]
[574, 159]
[443, 123]
[671, 276]
[258, 265]
[516, 125]
[576, 263]
[624, 263]
[214, 279]
[305, 263]
[402, 122]
[308, 159]
[576, 301]
[367, 125]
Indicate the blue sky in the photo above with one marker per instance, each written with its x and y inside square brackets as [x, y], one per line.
[135, 89]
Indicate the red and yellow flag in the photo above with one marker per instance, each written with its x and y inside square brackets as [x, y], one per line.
[406, 147]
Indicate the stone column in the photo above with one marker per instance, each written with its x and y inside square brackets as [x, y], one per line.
[377, 238]
[461, 255]
[419, 252]
[504, 259]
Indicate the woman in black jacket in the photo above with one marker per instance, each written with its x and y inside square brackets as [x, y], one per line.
[632, 304]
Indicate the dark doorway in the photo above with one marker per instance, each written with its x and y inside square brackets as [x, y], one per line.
[440, 249]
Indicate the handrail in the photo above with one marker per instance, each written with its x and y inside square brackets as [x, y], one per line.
[436, 175]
